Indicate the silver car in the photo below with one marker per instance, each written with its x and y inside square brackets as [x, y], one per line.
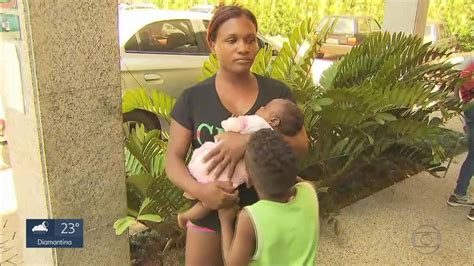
[163, 49]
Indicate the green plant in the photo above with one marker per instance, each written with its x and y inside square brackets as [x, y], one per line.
[384, 92]
[123, 223]
[380, 95]
[158, 103]
[148, 188]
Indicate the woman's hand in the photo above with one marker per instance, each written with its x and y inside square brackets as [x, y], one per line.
[227, 153]
[216, 195]
[299, 142]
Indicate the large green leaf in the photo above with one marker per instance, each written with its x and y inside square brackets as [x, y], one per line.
[150, 217]
[158, 102]
[123, 223]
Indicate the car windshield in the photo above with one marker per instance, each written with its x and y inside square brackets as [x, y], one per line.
[343, 26]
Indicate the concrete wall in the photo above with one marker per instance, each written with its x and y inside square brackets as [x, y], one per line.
[66, 144]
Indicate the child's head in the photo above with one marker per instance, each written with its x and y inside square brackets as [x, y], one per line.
[283, 115]
[271, 163]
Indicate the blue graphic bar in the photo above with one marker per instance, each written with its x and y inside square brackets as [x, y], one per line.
[54, 233]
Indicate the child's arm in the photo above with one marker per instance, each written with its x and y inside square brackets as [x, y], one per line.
[238, 249]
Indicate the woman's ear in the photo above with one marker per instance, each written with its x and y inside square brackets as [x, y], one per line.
[212, 44]
[274, 122]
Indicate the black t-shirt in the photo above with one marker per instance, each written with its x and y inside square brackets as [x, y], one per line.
[199, 109]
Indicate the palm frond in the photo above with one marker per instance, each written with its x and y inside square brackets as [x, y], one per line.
[210, 67]
[158, 103]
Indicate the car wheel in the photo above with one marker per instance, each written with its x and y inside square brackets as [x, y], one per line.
[148, 119]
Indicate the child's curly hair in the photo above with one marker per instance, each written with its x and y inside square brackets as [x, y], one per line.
[271, 163]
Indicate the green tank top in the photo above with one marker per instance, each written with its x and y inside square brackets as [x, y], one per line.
[286, 233]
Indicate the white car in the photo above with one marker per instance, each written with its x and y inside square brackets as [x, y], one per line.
[163, 49]
[203, 8]
[437, 32]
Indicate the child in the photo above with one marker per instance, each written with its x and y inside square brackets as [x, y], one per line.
[282, 228]
[279, 114]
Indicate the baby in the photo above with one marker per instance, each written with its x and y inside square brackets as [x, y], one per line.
[280, 115]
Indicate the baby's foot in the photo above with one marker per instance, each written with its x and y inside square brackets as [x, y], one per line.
[182, 221]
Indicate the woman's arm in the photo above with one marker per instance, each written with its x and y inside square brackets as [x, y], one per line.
[231, 150]
[213, 195]
[299, 142]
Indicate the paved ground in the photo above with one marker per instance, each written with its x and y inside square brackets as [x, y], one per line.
[407, 223]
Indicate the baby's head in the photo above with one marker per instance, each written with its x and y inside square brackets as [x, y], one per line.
[271, 163]
[283, 115]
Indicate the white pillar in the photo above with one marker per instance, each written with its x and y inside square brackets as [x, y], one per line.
[406, 16]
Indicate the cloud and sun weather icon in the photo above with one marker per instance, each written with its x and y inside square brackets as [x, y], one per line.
[41, 228]
[54, 233]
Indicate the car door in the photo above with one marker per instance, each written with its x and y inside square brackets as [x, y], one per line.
[164, 55]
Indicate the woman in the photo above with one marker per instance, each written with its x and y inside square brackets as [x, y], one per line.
[196, 118]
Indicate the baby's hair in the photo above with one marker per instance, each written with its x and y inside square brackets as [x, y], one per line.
[291, 119]
[271, 163]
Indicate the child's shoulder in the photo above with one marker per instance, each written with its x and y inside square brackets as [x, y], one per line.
[308, 188]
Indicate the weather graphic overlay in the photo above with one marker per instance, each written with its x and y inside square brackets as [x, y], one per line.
[54, 233]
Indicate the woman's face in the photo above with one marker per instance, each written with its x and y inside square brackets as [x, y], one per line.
[236, 44]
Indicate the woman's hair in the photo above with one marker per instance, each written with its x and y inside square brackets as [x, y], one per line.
[291, 119]
[271, 163]
[224, 13]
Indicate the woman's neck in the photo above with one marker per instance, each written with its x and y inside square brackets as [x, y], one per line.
[236, 79]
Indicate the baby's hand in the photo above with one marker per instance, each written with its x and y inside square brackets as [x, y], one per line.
[231, 124]
[228, 215]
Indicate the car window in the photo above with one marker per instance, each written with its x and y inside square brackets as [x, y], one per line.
[363, 25]
[374, 26]
[132, 44]
[172, 36]
[322, 23]
[343, 26]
